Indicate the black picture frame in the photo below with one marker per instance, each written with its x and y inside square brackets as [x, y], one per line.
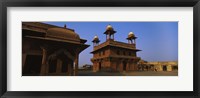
[100, 3]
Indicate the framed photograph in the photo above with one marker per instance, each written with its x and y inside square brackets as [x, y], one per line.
[74, 48]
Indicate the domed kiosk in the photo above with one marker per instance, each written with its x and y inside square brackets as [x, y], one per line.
[96, 41]
[109, 27]
[109, 32]
[131, 37]
[50, 50]
[114, 56]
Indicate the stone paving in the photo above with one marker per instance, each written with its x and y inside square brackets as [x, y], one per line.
[130, 73]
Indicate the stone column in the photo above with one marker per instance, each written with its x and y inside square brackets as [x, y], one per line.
[169, 68]
[134, 41]
[106, 37]
[44, 58]
[76, 64]
[160, 68]
[135, 66]
[95, 65]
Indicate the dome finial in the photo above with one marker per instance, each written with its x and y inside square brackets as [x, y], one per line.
[65, 26]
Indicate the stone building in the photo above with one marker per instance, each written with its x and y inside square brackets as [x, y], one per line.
[113, 55]
[158, 66]
[50, 50]
[165, 66]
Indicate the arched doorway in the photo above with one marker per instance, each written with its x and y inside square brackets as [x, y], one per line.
[175, 68]
[61, 62]
[64, 66]
[124, 65]
[99, 66]
[164, 68]
[52, 66]
[67, 64]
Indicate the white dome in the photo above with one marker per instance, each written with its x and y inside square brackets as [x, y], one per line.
[95, 37]
[109, 27]
[131, 33]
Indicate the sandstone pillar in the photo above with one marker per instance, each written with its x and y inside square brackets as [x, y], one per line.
[76, 64]
[44, 64]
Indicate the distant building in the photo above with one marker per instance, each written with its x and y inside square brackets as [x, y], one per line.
[87, 66]
[50, 50]
[158, 66]
[165, 66]
[113, 55]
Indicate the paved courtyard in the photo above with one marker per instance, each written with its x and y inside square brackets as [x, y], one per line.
[130, 73]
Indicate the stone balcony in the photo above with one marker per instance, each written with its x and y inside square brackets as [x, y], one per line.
[111, 42]
[117, 56]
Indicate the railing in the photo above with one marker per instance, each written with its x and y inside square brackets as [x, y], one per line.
[125, 57]
[115, 43]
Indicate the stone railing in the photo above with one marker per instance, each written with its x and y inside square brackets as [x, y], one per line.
[115, 43]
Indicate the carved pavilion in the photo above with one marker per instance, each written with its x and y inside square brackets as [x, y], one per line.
[50, 50]
[113, 55]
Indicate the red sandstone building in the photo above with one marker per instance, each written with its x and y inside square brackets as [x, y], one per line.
[50, 50]
[112, 55]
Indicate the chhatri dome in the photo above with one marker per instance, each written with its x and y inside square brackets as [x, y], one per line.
[109, 27]
[95, 39]
[131, 35]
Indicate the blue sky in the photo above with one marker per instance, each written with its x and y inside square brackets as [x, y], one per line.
[157, 40]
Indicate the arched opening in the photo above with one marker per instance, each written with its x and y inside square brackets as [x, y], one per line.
[52, 66]
[164, 68]
[65, 66]
[99, 66]
[175, 68]
[124, 65]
